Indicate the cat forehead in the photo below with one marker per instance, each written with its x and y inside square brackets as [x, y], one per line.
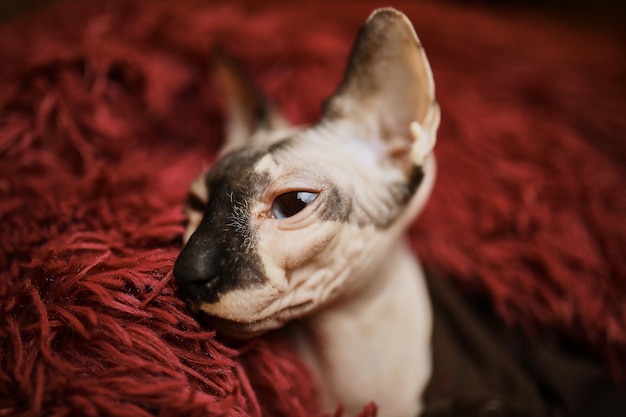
[316, 155]
[319, 149]
[248, 171]
[268, 150]
[236, 167]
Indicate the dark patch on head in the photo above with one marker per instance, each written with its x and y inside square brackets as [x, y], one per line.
[221, 255]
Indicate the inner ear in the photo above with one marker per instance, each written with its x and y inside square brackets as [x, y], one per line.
[388, 90]
[247, 109]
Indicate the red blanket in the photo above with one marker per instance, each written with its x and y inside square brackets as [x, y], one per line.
[107, 111]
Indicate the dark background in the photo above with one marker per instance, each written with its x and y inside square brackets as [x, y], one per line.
[608, 13]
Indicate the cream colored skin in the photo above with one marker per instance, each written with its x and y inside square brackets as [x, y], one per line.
[364, 314]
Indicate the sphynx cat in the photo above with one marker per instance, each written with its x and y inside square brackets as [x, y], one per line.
[308, 223]
[306, 226]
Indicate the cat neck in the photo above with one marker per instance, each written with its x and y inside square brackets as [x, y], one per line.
[373, 345]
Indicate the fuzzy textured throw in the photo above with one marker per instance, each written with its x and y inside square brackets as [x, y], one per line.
[108, 111]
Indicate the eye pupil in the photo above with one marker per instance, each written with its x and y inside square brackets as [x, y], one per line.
[291, 203]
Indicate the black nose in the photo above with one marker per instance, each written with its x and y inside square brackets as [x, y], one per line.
[195, 269]
[193, 276]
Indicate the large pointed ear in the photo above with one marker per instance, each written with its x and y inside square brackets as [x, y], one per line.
[388, 90]
[247, 109]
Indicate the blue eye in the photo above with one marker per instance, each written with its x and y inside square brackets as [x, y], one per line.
[290, 204]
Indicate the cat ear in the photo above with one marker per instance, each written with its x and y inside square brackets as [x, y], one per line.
[388, 91]
[247, 110]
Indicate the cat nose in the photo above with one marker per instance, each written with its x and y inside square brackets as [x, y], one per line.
[194, 270]
[192, 274]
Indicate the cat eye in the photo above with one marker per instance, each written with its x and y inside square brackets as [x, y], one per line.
[291, 203]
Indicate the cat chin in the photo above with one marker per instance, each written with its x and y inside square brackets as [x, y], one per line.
[239, 329]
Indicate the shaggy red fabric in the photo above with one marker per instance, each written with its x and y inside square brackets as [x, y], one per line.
[107, 113]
